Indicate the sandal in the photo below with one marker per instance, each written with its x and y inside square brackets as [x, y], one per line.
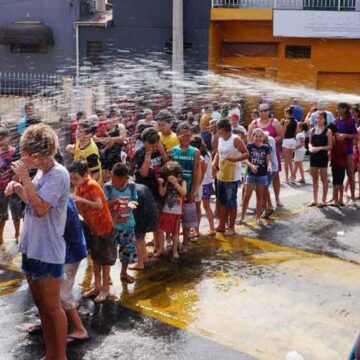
[312, 204]
[321, 205]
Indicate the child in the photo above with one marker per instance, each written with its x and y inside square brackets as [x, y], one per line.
[99, 231]
[189, 159]
[86, 149]
[41, 242]
[167, 138]
[122, 197]
[259, 166]
[173, 187]
[6, 175]
[302, 129]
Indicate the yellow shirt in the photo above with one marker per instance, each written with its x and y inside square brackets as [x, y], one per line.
[91, 155]
[169, 141]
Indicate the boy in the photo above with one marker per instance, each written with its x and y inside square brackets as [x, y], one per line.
[41, 242]
[86, 149]
[100, 237]
[189, 159]
[122, 197]
[167, 138]
[6, 174]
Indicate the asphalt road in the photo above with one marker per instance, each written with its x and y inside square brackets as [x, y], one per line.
[290, 285]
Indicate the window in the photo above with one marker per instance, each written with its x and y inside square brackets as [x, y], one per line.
[95, 51]
[297, 52]
[29, 48]
[249, 49]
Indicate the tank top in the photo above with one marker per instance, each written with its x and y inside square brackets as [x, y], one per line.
[208, 179]
[269, 128]
[186, 160]
[319, 139]
[291, 130]
[228, 171]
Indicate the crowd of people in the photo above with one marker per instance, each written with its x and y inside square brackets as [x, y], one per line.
[155, 174]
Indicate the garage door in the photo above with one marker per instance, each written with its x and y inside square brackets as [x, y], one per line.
[341, 82]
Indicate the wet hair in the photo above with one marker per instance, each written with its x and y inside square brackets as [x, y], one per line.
[80, 114]
[4, 132]
[88, 125]
[304, 126]
[164, 116]
[171, 168]
[120, 170]
[183, 126]
[290, 110]
[79, 167]
[258, 131]
[224, 124]
[39, 140]
[324, 115]
[150, 136]
[345, 106]
[198, 142]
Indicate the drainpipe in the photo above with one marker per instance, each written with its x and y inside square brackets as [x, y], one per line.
[178, 54]
[77, 55]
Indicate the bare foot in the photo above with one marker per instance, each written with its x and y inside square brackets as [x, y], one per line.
[91, 293]
[176, 255]
[158, 253]
[103, 294]
[127, 279]
[136, 267]
[230, 232]
[78, 335]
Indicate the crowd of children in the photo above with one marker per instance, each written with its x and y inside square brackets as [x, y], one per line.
[154, 174]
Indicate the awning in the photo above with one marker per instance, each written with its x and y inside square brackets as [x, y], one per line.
[27, 33]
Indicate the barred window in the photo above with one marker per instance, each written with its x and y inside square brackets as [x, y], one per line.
[298, 52]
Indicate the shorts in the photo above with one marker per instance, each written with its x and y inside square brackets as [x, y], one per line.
[189, 216]
[299, 155]
[257, 180]
[127, 246]
[227, 193]
[338, 175]
[169, 223]
[15, 204]
[67, 298]
[38, 270]
[270, 178]
[101, 248]
[207, 191]
[198, 194]
[289, 143]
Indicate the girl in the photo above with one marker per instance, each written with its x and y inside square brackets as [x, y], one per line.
[300, 150]
[259, 166]
[320, 144]
[289, 143]
[206, 187]
[173, 187]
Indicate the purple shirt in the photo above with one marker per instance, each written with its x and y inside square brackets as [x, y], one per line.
[347, 126]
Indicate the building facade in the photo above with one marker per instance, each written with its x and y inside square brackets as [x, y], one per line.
[309, 42]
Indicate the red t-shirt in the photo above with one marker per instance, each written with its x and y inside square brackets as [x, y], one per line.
[101, 128]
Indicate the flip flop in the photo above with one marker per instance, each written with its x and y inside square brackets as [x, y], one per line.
[312, 204]
[76, 341]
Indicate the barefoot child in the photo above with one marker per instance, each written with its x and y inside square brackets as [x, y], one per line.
[41, 242]
[122, 198]
[173, 187]
[6, 175]
[100, 237]
[302, 129]
[259, 166]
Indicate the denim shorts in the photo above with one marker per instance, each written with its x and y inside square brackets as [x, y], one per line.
[227, 193]
[38, 270]
[257, 180]
[270, 178]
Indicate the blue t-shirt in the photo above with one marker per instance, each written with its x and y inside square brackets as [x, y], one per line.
[122, 214]
[73, 235]
[258, 157]
[329, 117]
[42, 238]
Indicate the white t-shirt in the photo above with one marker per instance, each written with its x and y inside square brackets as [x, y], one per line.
[299, 136]
[208, 179]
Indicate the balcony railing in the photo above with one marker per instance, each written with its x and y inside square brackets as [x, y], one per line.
[340, 5]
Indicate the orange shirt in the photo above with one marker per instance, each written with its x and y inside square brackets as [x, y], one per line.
[99, 221]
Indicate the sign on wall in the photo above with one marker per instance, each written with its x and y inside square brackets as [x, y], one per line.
[316, 24]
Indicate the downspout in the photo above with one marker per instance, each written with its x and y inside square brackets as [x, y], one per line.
[77, 53]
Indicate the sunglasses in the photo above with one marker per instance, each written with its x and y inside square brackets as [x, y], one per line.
[264, 110]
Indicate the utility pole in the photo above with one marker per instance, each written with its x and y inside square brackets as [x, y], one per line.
[178, 54]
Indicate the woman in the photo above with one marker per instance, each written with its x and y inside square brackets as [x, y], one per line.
[320, 145]
[273, 127]
[289, 143]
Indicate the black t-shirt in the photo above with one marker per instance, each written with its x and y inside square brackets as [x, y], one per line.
[258, 157]
[151, 181]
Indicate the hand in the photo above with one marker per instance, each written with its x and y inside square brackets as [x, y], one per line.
[172, 180]
[148, 149]
[20, 170]
[313, 149]
[75, 198]
[269, 170]
[340, 137]
[254, 168]
[11, 188]
[70, 148]
[161, 181]
[133, 204]
[232, 158]
[162, 149]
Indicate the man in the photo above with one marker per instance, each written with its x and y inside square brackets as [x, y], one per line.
[298, 111]
[329, 115]
[227, 170]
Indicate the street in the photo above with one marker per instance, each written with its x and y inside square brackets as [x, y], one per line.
[290, 285]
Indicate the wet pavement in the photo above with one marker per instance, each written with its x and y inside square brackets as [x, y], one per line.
[291, 284]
